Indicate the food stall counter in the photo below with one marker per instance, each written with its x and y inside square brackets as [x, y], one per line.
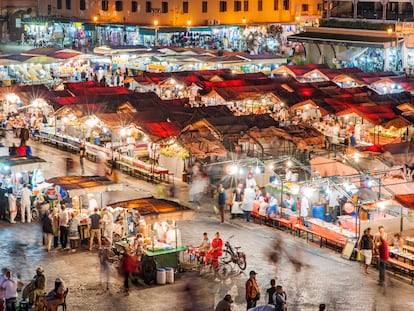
[166, 257]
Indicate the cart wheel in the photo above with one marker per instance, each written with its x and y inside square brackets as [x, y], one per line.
[149, 269]
[35, 214]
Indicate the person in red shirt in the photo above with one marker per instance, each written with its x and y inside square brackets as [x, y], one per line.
[215, 251]
[128, 266]
[382, 260]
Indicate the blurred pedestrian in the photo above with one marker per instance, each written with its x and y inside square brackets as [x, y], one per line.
[63, 226]
[105, 269]
[366, 247]
[3, 202]
[24, 135]
[304, 208]
[221, 201]
[73, 230]
[225, 304]
[197, 187]
[47, 228]
[25, 204]
[69, 166]
[82, 156]
[383, 252]
[252, 290]
[95, 228]
[322, 307]
[271, 291]
[127, 266]
[10, 285]
[55, 226]
[12, 206]
[280, 299]
[248, 200]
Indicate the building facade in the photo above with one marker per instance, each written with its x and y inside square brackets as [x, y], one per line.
[401, 10]
[182, 13]
[12, 13]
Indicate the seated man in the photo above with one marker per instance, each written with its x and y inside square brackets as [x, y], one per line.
[204, 247]
[272, 210]
[56, 296]
[36, 288]
[215, 251]
[263, 207]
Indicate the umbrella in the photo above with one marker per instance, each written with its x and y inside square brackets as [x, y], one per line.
[41, 60]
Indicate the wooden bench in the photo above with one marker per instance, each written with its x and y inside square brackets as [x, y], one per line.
[403, 268]
[138, 172]
[298, 228]
[281, 223]
[324, 240]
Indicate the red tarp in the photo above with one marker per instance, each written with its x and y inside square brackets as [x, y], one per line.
[406, 200]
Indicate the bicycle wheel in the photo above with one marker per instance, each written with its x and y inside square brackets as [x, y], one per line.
[242, 263]
[224, 271]
[226, 258]
[35, 214]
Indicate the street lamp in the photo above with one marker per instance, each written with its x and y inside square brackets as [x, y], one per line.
[156, 32]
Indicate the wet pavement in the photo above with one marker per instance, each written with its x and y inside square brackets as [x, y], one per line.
[324, 276]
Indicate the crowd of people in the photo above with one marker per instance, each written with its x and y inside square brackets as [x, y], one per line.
[34, 293]
[370, 246]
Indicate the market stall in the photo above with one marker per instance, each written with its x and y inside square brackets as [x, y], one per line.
[77, 187]
[157, 224]
[17, 171]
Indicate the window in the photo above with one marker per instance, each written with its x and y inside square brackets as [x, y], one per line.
[260, 5]
[134, 6]
[59, 4]
[223, 6]
[246, 5]
[275, 5]
[82, 5]
[148, 7]
[118, 6]
[104, 5]
[185, 7]
[320, 7]
[286, 5]
[49, 9]
[305, 7]
[237, 6]
[204, 6]
[164, 7]
[68, 4]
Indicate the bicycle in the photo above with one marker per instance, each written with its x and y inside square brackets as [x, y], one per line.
[232, 254]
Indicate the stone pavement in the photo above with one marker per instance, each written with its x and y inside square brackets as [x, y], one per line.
[324, 276]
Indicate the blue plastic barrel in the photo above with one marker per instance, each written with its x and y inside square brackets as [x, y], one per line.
[318, 211]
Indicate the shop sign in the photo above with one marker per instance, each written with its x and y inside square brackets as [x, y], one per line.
[130, 28]
[78, 24]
